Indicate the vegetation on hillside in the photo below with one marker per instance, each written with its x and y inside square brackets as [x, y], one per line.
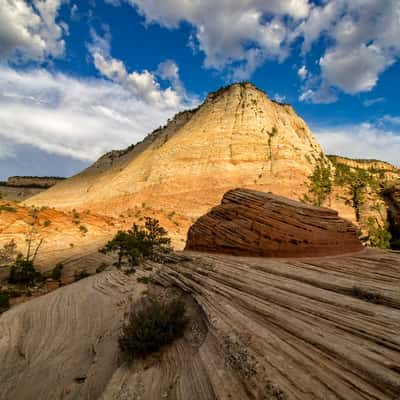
[140, 242]
[358, 182]
[320, 182]
[152, 326]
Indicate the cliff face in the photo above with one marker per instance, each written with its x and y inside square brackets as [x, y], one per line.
[237, 138]
[19, 188]
[365, 164]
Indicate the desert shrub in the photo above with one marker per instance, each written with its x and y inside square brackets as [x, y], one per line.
[7, 208]
[395, 245]
[143, 279]
[57, 271]
[154, 325]
[83, 229]
[4, 301]
[366, 295]
[101, 268]
[379, 236]
[46, 223]
[24, 272]
[8, 253]
[140, 242]
[78, 275]
[320, 182]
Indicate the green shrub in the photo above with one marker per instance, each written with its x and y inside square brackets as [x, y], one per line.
[140, 242]
[154, 325]
[379, 236]
[143, 279]
[4, 301]
[78, 275]
[101, 268]
[320, 182]
[7, 208]
[23, 271]
[83, 229]
[57, 272]
[395, 245]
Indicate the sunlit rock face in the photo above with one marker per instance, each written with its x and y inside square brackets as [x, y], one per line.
[252, 223]
[237, 138]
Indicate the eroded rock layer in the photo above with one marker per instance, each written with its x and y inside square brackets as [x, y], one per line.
[266, 329]
[248, 222]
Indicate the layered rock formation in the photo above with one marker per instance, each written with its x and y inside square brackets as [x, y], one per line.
[365, 164]
[263, 329]
[19, 188]
[253, 223]
[237, 138]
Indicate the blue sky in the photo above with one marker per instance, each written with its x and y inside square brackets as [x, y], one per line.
[79, 78]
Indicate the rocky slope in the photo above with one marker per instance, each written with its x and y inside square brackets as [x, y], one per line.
[321, 328]
[71, 233]
[248, 222]
[237, 138]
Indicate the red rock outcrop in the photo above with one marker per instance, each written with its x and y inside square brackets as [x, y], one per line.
[248, 222]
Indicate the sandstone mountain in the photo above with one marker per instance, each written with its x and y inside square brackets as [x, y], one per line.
[237, 138]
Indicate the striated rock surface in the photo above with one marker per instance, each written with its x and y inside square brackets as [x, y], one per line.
[253, 223]
[366, 164]
[261, 329]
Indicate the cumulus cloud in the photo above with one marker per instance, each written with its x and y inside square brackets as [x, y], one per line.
[143, 84]
[224, 29]
[363, 35]
[80, 118]
[364, 140]
[302, 72]
[29, 30]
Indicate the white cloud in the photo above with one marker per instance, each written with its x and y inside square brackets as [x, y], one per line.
[363, 41]
[279, 98]
[394, 120]
[74, 117]
[224, 29]
[371, 102]
[361, 141]
[236, 36]
[302, 72]
[356, 70]
[323, 94]
[29, 31]
[143, 84]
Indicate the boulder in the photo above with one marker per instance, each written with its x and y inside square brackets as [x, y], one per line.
[252, 223]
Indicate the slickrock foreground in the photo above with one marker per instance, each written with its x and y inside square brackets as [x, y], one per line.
[248, 222]
[260, 328]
